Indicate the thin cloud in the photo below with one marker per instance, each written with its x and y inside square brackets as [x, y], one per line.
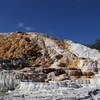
[28, 28]
[21, 26]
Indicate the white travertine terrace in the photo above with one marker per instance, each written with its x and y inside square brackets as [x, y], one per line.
[83, 51]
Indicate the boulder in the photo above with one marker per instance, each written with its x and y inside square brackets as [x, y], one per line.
[74, 72]
[88, 65]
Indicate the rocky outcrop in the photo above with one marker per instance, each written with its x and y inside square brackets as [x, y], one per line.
[37, 66]
[44, 58]
[88, 65]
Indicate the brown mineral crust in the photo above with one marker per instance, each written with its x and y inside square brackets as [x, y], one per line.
[12, 45]
[62, 44]
[69, 63]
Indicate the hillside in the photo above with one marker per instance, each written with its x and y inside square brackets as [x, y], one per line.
[44, 58]
[35, 66]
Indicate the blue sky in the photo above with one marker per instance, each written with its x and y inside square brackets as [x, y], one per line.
[77, 20]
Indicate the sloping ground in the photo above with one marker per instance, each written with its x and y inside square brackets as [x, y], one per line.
[45, 58]
[40, 67]
[12, 45]
[56, 90]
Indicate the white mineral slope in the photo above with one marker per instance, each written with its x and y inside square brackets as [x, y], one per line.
[83, 51]
[66, 90]
[52, 47]
[76, 48]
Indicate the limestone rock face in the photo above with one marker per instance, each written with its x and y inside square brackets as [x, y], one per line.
[44, 58]
[88, 66]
